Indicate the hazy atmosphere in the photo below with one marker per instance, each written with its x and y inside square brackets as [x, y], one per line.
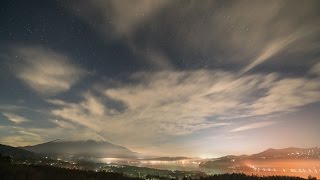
[168, 78]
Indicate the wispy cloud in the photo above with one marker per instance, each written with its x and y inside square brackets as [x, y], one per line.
[177, 103]
[45, 71]
[171, 104]
[286, 95]
[63, 124]
[254, 125]
[273, 49]
[122, 17]
[23, 136]
[121, 20]
[233, 33]
[20, 140]
[87, 113]
[15, 118]
[315, 69]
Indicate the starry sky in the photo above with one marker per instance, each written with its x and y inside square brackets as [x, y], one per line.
[193, 78]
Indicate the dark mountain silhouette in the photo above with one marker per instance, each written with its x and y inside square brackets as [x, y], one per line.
[286, 153]
[280, 155]
[88, 148]
[16, 152]
[289, 153]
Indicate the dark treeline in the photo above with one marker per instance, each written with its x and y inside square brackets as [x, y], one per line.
[24, 172]
[9, 171]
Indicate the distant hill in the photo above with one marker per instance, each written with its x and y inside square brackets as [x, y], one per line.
[286, 153]
[88, 148]
[289, 153]
[269, 154]
[16, 152]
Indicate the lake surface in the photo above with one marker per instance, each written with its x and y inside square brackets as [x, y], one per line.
[181, 165]
[301, 168]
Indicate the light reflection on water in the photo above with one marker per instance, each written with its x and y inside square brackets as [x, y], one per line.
[301, 168]
[181, 165]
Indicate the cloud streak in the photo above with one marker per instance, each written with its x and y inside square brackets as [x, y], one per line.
[45, 71]
[178, 103]
[252, 126]
[244, 34]
[273, 49]
[15, 118]
[315, 70]
[124, 16]
[23, 136]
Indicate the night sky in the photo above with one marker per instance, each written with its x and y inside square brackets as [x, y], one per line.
[193, 78]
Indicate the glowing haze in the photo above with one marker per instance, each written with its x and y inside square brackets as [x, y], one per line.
[163, 77]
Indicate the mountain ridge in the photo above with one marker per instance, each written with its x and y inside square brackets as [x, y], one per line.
[17, 152]
[291, 153]
[89, 148]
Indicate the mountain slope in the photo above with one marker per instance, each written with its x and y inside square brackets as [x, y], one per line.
[16, 152]
[89, 148]
[289, 153]
[269, 154]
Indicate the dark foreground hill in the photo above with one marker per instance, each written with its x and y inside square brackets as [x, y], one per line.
[16, 152]
[17, 172]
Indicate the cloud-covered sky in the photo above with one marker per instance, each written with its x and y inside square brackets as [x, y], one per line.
[194, 78]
